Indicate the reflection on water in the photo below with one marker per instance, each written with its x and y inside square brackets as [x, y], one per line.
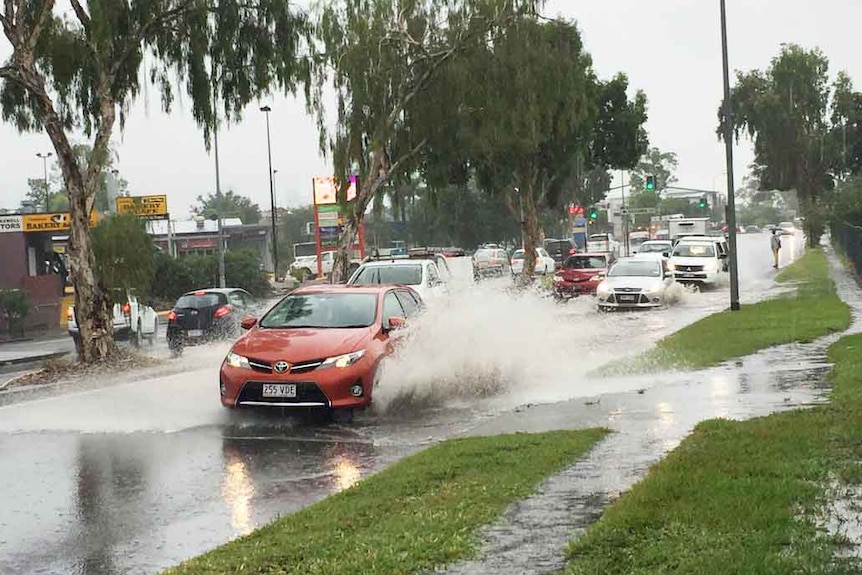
[665, 423]
[722, 387]
[237, 491]
[345, 471]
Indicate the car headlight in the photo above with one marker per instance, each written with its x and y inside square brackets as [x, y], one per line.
[342, 361]
[603, 290]
[597, 278]
[558, 278]
[236, 360]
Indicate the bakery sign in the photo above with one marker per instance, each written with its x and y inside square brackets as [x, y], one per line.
[146, 207]
[57, 222]
[11, 224]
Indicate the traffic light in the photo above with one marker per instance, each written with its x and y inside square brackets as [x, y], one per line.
[594, 213]
[702, 204]
[650, 183]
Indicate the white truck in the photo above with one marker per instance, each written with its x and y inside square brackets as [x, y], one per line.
[306, 266]
[132, 321]
[679, 228]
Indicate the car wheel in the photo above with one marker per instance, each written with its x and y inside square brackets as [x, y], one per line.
[175, 346]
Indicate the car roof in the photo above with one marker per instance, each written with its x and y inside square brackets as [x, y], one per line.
[342, 288]
[395, 262]
[589, 255]
[215, 290]
[702, 238]
[656, 242]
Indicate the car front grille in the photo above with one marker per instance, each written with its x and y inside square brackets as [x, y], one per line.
[262, 366]
[688, 269]
[306, 392]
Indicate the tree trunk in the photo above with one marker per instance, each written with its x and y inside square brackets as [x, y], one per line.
[346, 241]
[532, 231]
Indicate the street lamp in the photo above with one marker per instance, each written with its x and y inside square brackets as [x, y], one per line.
[728, 143]
[266, 110]
[45, 173]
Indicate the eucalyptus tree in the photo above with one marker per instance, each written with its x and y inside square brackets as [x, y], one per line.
[79, 66]
[797, 142]
[381, 57]
[543, 127]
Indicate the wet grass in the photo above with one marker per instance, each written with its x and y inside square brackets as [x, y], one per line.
[810, 311]
[740, 497]
[422, 512]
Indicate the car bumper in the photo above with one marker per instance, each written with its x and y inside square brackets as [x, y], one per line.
[575, 289]
[329, 388]
[642, 301]
[696, 277]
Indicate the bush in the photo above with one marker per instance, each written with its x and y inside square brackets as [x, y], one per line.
[176, 276]
[13, 309]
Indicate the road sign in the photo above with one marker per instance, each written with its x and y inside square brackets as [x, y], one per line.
[11, 224]
[145, 207]
[639, 211]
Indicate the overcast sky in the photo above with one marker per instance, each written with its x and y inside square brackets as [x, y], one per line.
[671, 49]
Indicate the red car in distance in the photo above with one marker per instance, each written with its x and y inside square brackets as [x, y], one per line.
[318, 347]
[581, 274]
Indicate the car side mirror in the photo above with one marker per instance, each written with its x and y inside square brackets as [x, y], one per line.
[666, 254]
[248, 322]
[395, 322]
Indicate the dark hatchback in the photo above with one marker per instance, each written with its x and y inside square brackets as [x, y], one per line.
[205, 315]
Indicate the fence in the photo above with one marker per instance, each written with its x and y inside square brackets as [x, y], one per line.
[849, 238]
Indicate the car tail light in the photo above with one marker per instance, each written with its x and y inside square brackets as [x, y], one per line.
[200, 292]
[222, 311]
[70, 313]
[573, 251]
[127, 308]
[172, 315]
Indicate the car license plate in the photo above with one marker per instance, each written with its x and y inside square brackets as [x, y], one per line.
[195, 332]
[689, 275]
[628, 298]
[279, 390]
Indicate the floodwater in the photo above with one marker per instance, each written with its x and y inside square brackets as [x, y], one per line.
[132, 474]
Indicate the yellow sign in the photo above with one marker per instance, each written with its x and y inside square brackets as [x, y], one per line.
[57, 222]
[149, 207]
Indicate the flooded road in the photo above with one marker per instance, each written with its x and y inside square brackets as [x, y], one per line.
[130, 474]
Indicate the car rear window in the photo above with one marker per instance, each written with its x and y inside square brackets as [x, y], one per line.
[586, 263]
[395, 274]
[198, 301]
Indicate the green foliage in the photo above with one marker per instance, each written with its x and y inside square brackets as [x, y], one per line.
[124, 253]
[176, 276]
[656, 163]
[14, 308]
[741, 496]
[799, 142]
[229, 205]
[424, 511]
[847, 204]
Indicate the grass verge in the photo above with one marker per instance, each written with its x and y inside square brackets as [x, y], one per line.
[811, 311]
[740, 497]
[422, 512]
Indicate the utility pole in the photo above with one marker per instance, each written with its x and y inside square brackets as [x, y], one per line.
[728, 143]
[221, 281]
[266, 110]
[45, 181]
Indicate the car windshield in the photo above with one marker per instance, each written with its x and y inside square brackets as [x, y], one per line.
[653, 248]
[327, 310]
[585, 263]
[197, 301]
[483, 254]
[648, 269]
[695, 250]
[519, 255]
[394, 274]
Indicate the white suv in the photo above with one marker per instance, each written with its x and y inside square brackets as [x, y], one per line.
[424, 276]
[696, 262]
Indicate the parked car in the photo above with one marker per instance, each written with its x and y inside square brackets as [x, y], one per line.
[318, 347]
[491, 262]
[545, 264]
[696, 262]
[132, 321]
[581, 274]
[786, 228]
[560, 250]
[752, 229]
[206, 315]
[634, 283]
[423, 275]
[655, 247]
[306, 266]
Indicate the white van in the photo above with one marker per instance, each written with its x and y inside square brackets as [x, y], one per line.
[696, 261]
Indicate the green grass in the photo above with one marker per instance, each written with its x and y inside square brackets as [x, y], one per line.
[422, 512]
[812, 310]
[739, 497]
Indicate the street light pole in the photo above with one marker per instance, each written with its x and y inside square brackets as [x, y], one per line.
[728, 143]
[221, 276]
[266, 110]
[45, 173]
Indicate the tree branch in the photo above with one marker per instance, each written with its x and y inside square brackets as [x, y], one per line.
[8, 72]
[82, 15]
[42, 18]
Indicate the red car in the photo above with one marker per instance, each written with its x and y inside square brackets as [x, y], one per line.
[581, 274]
[318, 347]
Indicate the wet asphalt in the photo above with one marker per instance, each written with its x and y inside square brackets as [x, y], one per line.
[133, 474]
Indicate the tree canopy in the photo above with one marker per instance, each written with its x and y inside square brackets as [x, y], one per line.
[228, 205]
[124, 253]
